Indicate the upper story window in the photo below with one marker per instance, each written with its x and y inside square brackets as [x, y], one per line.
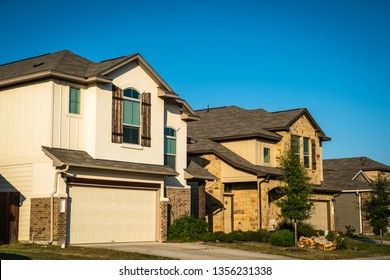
[296, 146]
[170, 147]
[266, 155]
[306, 152]
[131, 116]
[74, 100]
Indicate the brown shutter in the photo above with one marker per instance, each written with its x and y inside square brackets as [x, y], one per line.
[146, 139]
[313, 154]
[117, 100]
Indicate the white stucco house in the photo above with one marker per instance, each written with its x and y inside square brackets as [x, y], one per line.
[90, 152]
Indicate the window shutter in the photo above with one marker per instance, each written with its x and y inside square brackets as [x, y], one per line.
[146, 139]
[313, 154]
[117, 100]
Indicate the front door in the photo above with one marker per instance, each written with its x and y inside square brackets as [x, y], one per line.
[228, 213]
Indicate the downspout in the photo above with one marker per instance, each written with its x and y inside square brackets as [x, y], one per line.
[58, 172]
[265, 180]
[360, 212]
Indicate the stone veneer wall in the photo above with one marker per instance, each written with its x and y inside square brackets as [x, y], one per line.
[245, 206]
[179, 202]
[367, 228]
[40, 220]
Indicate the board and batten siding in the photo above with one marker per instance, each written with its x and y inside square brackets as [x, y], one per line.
[19, 178]
[25, 116]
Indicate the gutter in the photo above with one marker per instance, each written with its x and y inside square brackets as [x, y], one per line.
[55, 190]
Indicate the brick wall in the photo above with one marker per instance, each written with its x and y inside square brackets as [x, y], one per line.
[40, 220]
[163, 220]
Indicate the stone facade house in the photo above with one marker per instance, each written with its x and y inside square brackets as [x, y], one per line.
[90, 152]
[242, 149]
[352, 178]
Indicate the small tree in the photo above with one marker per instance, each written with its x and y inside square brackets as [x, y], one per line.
[377, 207]
[295, 190]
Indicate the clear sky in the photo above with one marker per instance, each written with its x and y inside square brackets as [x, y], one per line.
[332, 57]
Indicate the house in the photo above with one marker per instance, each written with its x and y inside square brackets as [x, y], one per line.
[352, 178]
[90, 152]
[242, 149]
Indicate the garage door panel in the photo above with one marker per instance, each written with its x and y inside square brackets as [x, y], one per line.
[107, 214]
[319, 217]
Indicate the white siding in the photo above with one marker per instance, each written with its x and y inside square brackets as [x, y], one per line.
[68, 129]
[25, 120]
[19, 178]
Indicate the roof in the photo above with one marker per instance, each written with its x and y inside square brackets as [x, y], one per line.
[205, 146]
[233, 122]
[73, 158]
[195, 172]
[342, 174]
[68, 66]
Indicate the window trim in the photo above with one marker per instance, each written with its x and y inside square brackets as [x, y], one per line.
[78, 113]
[306, 153]
[269, 155]
[132, 99]
[166, 136]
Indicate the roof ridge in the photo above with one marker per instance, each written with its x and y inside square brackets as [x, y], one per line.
[289, 110]
[60, 59]
[221, 107]
[11, 62]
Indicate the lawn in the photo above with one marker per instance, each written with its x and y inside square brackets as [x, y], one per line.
[22, 251]
[356, 250]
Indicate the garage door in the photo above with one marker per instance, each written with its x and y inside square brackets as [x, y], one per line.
[319, 218]
[100, 215]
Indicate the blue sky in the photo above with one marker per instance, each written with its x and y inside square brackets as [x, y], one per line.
[332, 57]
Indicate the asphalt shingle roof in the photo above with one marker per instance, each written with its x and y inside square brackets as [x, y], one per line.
[62, 157]
[338, 173]
[63, 61]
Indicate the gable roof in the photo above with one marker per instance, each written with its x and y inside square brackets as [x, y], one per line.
[342, 174]
[68, 66]
[62, 157]
[233, 122]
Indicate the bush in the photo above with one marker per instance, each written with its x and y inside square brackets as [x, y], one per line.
[304, 229]
[187, 228]
[283, 238]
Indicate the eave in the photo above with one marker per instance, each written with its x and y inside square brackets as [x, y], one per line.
[54, 74]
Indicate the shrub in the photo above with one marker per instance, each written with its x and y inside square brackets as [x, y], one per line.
[187, 228]
[209, 237]
[283, 238]
[304, 229]
[350, 231]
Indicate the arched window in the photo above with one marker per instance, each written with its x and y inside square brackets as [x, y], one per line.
[170, 147]
[131, 116]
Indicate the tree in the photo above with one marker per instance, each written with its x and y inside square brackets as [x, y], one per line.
[295, 190]
[377, 207]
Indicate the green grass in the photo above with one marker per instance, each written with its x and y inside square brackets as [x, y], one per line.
[356, 250]
[22, 251]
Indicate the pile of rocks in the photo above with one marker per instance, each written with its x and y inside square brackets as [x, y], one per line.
[316, 243]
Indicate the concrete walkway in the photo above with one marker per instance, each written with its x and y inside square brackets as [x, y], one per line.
[187, 251]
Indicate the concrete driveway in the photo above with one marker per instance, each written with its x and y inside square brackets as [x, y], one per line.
[187, 251]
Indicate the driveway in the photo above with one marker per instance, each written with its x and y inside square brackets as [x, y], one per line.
[187, 251]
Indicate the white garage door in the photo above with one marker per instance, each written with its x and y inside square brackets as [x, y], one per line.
[100, 215]
[319, 218]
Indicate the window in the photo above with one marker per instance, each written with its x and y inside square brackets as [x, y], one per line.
[266, 155]
[296, 146]
[74, 100]
[170, 147]
[131, 116]
[306, 152]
